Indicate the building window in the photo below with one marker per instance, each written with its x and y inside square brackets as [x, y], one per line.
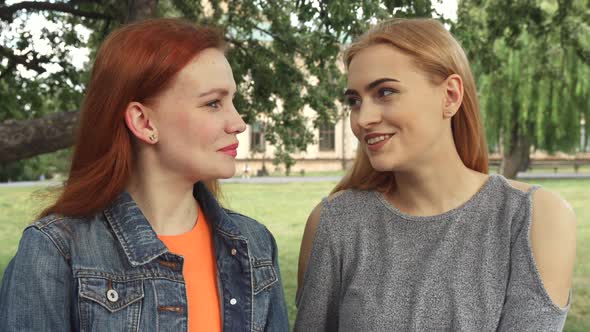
[327, 137]
[257, 142]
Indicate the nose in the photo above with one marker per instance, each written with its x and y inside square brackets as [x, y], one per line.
[368, 115]
[236, 124]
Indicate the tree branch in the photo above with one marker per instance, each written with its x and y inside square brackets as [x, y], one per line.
[279, 38]
[28, 138]
[23, 59]
[7, 12]
[237, 43]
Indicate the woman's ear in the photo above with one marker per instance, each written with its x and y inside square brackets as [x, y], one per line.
[453, 97]
[137, 119]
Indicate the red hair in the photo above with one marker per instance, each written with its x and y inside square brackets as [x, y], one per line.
[135, 63]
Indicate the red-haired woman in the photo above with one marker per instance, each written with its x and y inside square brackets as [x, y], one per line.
[137, 240]
[418, 237]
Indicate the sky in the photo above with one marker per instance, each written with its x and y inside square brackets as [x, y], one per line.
[448, 8]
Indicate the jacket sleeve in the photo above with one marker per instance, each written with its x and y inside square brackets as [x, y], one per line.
[278, 319]
[36, 287]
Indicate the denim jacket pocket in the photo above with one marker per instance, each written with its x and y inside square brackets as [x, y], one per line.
[264, 275]
[115, 303]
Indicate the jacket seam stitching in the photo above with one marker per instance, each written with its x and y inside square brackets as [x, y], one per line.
[116, 279]
[59, 248]
[50, 220]
[231, 236]
[157, 303]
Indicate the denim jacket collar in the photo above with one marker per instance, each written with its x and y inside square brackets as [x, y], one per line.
[216, 215]
[137, 237]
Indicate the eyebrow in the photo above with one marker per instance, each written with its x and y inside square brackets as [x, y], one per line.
[223, 92]
[371, 85]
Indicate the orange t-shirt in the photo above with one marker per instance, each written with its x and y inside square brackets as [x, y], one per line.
[200, 275]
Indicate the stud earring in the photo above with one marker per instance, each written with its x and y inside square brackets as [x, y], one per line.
[153, 137]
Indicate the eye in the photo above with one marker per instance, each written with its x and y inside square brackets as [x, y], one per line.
[385, 92]
[215, 103]
[353, 101]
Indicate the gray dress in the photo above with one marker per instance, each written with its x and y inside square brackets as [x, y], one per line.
[374, 268]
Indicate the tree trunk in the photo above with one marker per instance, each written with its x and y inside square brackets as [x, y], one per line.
[28, 138]
[516, 158]
[138, 10]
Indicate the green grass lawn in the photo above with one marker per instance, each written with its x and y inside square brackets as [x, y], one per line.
[284, 209]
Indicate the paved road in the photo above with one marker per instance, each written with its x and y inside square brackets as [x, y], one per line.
[274, 179]
[283, 179]
[521, 176]
[558, 176]
[268, 179]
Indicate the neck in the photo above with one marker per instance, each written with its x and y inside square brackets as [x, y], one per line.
[437, 186]
[165, 200]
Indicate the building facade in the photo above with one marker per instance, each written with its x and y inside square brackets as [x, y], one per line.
[333, 149]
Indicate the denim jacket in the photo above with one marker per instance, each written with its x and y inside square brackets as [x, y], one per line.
[110, 272]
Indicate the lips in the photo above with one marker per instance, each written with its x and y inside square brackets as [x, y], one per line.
[230, 150]
[377, 140]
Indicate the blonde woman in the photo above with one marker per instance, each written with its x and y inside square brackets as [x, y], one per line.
[418, 236]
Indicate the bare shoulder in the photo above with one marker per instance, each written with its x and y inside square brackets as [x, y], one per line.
[312, 222]
[308, 236]
[552, 212]
[524, 187]
[553, 242]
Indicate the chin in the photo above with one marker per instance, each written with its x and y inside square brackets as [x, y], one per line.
[383, 168]
[385, 164]
[226, 172]
[222, 172]
[226, 175]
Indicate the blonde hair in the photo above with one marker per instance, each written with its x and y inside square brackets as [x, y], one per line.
[434, 51]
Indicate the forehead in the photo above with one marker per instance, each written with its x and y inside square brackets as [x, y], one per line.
[379, 61]
[208, 70]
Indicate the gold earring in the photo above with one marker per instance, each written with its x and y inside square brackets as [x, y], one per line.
[153, 137]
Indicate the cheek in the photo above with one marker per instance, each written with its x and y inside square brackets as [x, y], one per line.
[356, 129]
[183, 122]
[421, 131]
[192, 129]
[176, 117]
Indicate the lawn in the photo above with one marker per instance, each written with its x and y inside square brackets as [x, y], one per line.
[284, 209]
